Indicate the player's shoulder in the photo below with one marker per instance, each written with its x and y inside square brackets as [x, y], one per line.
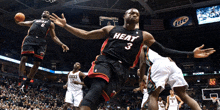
[108, 28]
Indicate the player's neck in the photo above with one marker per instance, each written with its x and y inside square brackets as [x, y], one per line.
[172, 95]
[75, 70]
[44, 18]
[128, 26]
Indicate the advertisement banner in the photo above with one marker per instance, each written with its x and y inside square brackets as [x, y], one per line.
[181, 21]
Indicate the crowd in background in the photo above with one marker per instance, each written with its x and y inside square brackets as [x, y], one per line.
[47, 95]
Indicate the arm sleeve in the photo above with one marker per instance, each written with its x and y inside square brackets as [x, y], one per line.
[166, 52]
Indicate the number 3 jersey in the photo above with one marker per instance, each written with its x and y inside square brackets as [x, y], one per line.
[38, 32]
[123, 45]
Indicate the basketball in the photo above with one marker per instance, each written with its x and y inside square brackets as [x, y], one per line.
[19, 17]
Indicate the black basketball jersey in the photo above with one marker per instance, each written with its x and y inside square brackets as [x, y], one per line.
[38, 32]
[40, 28]
[123, 45]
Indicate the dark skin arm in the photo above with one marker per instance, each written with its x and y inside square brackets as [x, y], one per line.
[82, 76]
[198, 51]
[56, 39]
[65, 86]
[25, 23]
[94, 34]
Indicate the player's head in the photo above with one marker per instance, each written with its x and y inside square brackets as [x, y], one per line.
[77, 65]
[138, 72]
[160, 98]
[171, 92]
[46, 14]
[132, 16]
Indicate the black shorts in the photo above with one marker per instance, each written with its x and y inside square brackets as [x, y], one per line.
[112, 71]
[36, 51]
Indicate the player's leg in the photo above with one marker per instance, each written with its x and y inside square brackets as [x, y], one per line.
[68, 99]
[22, 66]
[144, 100]
[181, 92]
[27, 50]
[78, 96]
[94, 94]
[153, 98]
[179, 85]
[38, 58]
[157, 77]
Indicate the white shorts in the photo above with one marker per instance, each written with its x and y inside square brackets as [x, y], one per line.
[165, 71]
[173, 108]
[74, 97]
[145, 97]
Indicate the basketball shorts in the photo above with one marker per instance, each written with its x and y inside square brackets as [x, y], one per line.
[162, 72]
[36, 51]
[145, 97]
[74, 97]
[112, 71]
[173, 107]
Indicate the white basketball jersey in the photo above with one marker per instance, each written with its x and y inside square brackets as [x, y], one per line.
[173, 101]
[74, 77]
[152, 57]
[161, 106]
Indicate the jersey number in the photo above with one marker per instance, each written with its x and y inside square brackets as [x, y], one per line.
[128, 47]
[42, 25]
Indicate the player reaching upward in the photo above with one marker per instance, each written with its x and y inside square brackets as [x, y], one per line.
[74, 93]
[119, 52]
[34, 44]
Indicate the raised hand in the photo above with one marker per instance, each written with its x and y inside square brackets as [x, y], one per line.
[203, 53]
[57, 20]
[65, 48]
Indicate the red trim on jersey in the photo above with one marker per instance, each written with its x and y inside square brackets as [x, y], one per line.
[47, 32]
[137, 57]
[91, 73]
[105, 96]
[104, 44]
[38, 56]
[27, 52]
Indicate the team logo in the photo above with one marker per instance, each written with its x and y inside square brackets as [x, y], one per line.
[180, 21]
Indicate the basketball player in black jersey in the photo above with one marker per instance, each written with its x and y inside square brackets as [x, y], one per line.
[119, 52]
[34, 44]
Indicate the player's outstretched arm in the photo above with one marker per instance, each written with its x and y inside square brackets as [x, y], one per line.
[157, 47]
[94, 34]
[25, 23]
[56, 39]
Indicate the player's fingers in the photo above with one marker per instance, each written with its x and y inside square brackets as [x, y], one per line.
[55, 15]
[52, 18]
[208, 49]
[201, 46]
[62, 15]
